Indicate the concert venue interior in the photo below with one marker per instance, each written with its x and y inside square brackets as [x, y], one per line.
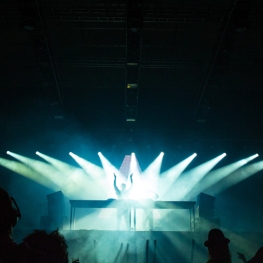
[169, 91]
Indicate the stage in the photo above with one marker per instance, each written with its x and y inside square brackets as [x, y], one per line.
[136, 210]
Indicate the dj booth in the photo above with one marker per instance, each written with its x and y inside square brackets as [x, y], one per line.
[132, 206]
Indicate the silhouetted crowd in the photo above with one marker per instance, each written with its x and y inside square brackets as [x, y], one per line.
[43, 247]
[218, 249]
[38, 247]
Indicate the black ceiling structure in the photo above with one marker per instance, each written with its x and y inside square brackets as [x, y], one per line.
[182, 70]
[179, 76]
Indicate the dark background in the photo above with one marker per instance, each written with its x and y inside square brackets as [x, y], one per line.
[63, 88]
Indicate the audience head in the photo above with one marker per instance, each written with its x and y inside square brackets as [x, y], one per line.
[8, 214]
[217, 245]
[216, 238]
[50, 247]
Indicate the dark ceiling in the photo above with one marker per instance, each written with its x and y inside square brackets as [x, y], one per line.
[179, 76]
[186, 70]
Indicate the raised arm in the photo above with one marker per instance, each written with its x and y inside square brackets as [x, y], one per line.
[131, 186]
[131, 178]
[117, 191]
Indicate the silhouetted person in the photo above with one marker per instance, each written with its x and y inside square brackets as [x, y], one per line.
[217, 245]
[123, 209]
[47, 247]
[122, 193]
[148, 212]
[9, 250]
[38, 247]
[258, 258]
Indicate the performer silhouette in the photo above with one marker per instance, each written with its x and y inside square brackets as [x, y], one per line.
[123, 209]
[148, 212]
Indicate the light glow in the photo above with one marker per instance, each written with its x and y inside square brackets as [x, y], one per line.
[168, 177]
[28, 172]
[150, 178]
[189, 179]
[214, 176]
[73, 180]
[236, 177]
[109, 170]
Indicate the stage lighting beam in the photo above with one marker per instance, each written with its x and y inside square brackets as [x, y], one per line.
[189, 179]
[168, 177]
[27, 172]
[236, 177]
[215, 176]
